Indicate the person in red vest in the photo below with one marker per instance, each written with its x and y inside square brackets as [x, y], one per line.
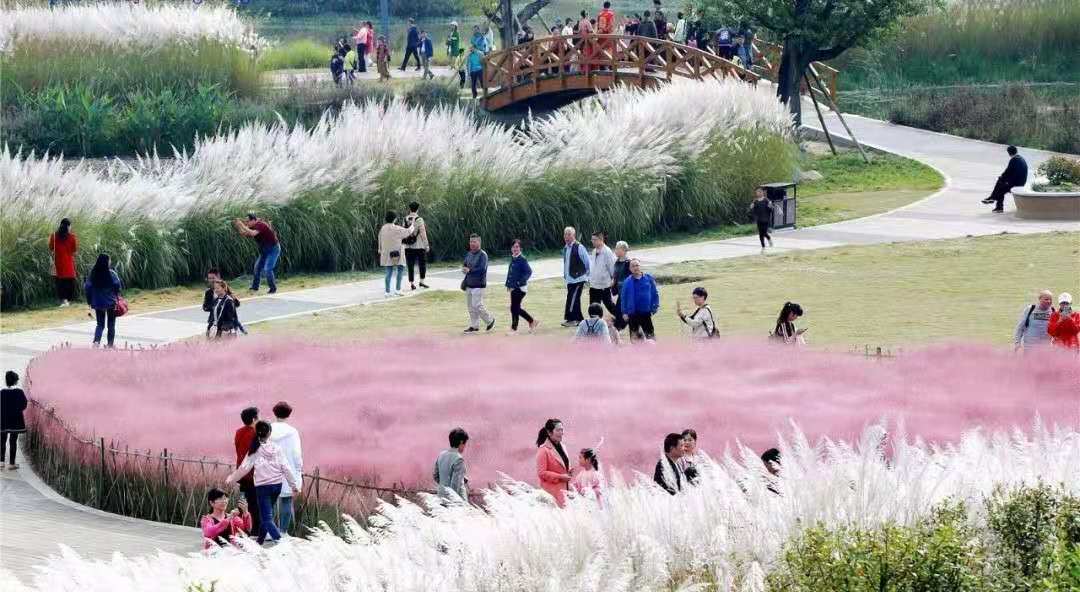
[242, 443]
[64, 245]
[1064, 326]
[605, 25]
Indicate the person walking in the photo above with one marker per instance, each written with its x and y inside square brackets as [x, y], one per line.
[460, 66]
[391, 251]
[647, 28]
[667, 474]
[1014, 175]
[223, 318]
[416, 245]
[242, 440]
[453, 41]
[412, 45]
[517, 283]
[701, 322]
[103, 295]
[639, 300]
[605, 25]
[1064, 325]
[680, 29]
[12, 405]
[747, 34]
[1033, 328]
[489, 40]
[213, 275]
[622, 271]
[475, 283]
[427, 51]
[450, 469]
[575, 274]
[361, 38]
[586, 480]
[594, 328]
[287, 439]
[602, 274]
[660, 20]
[268, 464]
[64, 245]
[785, 331]
[478, 40]
[476, 68]
[552, 464]
[761, 209]
[382, 58]
[269, 249]
[220, 528]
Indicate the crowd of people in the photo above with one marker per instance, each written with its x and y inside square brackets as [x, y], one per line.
[734, 43]
[269, 474]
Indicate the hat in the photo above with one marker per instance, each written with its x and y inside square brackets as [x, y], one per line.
[1065, 297]
[453, 23]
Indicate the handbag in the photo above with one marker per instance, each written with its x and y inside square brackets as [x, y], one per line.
[121, 306]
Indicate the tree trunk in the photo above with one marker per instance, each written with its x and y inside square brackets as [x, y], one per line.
[527, 12]
[793, 65]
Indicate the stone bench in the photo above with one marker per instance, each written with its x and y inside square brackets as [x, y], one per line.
[1046, 205]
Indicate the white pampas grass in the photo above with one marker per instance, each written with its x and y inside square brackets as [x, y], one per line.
[729, 529]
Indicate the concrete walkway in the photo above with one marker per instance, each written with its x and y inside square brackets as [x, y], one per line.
[32, 522]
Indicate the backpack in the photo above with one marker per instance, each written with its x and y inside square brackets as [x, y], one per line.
[714, 333]
[592, 329]
[411, 239]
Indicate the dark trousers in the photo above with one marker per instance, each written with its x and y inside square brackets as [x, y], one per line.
[65, 288]
[641, 323]
[411, 51]
[572, 312]
[461, 77]
[414, 257]
[361, 53]
[620, 323]
[516, 296]
[105, 316]
[474, 79]
[763, 232]
[267, 496]
[248, 489]
[5, 438]
[998, 194]
[604, 296]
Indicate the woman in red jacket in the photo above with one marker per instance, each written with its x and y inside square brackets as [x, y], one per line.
[63, 245]
[552, 464]
[219, 528]
[1064, 326]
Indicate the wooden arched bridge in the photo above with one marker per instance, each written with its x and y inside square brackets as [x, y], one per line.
[575, 63]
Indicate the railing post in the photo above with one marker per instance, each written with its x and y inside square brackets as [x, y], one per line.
[165, 456]
[316, 486]
[101, 476]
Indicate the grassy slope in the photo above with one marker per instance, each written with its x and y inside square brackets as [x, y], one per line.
[850, 190]
[888, 295]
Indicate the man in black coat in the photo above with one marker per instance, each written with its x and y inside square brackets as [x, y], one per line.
[1015, 175]
[667, 473]
[412, 45]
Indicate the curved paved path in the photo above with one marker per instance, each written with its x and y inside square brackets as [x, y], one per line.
[33, 521]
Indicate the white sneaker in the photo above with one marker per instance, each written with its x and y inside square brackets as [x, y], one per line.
[397, 293]
[65, 304]
[388, 295]
[512, 333]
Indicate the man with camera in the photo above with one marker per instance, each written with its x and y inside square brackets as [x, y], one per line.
[1032, 330]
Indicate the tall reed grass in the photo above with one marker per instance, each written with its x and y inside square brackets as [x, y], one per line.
[964, 41]
[729, 533]
[632, 163]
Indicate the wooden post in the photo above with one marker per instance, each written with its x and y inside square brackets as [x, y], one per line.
[316, 486]
[165, 455]
[840, 116]
[820, 117]
[101, 478]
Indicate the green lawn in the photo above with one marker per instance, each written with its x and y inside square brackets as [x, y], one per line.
[883, 295]
[851, 189]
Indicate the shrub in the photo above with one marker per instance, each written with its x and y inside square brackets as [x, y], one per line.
[936, 553]
[1061, 170]
[302, 53]
[433, 93]
[1035, 535]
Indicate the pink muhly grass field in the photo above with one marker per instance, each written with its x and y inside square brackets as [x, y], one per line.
[384, 410]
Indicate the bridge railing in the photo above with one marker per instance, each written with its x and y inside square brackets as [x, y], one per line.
[767, 57]
[600, 56]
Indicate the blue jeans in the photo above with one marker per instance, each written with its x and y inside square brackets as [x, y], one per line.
[285, 512]
[267, 496]
[103, 316]
[266, 262]
[390, 274]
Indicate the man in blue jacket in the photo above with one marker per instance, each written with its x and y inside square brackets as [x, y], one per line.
[1015, 175]
[575, 260]
[412, 44]
[639, 301]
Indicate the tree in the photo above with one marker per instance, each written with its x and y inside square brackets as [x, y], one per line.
[814, 31]
[492, 11]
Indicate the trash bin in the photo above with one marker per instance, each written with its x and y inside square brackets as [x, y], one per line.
[785, 204]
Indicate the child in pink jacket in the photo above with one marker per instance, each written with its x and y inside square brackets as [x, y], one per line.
[586, 480]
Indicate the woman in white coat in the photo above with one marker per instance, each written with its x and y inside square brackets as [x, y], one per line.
[392, 251]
